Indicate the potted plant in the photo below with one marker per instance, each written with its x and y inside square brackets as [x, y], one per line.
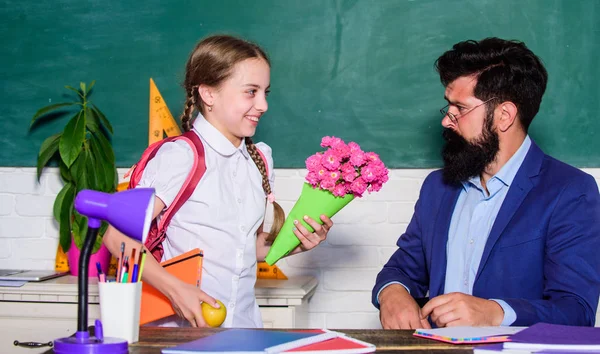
[85, 160]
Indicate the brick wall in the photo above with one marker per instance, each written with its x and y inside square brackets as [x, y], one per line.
[346, 264]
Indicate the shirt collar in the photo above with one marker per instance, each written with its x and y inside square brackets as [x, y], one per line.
[507, 173]
[213, 137]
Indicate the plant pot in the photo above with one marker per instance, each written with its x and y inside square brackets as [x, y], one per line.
[102, 256]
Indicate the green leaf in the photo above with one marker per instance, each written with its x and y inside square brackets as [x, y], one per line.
[92, 122]
[78, 171]
[74, 90]
[103, 119]
[59, 200]
[101, 232]
[105, 169]
[82, 86]
[91, 173]
[71, 142]
[80, 226]
[90, 86]
[65, 174]
[47, 109]
[65, 217]
[47, 150]
[105, 147]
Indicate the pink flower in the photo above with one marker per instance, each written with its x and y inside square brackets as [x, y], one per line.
[354, 147]
[327, 141]
[375, 187]
[372, 156]
[313, 178]
[331, 160]
[358, 158]
[342, 150]
[336, 143]
[328, 184]
[348, 172]
[340, 190]
[358, 187]
[334, 175]
[313, 163]
[349, 177]
[368, 173]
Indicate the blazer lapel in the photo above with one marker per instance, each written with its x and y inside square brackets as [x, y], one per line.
[438, 258]
[516, 194]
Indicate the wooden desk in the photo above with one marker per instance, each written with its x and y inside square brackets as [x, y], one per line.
[153, 339]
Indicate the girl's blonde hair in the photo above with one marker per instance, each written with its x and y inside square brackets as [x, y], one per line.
[211, 62]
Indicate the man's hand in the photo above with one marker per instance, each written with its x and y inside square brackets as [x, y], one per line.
[458, 309]
[398, 309]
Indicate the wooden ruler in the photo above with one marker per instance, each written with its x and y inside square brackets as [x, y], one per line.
[160, 120]
[265, 271]
[61, 263]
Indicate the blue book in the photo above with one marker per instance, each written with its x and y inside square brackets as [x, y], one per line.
[247, 341]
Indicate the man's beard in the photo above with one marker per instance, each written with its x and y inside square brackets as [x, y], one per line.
[464, 159]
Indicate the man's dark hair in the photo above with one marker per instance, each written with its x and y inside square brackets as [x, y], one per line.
[504, 69]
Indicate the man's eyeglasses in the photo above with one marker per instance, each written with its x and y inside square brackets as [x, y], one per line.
[454, 117]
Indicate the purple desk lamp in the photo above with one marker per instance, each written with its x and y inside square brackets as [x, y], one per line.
[130, 212]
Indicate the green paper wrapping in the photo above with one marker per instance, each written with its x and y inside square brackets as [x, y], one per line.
[312, 202]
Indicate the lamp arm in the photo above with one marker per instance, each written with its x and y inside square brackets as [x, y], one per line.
[84, 260]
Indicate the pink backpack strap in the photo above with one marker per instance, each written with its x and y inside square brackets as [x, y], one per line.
[262, 156]
[198, 169]
[189, 185]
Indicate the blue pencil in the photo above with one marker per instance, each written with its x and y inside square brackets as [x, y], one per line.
[99, 268]
[134, 274]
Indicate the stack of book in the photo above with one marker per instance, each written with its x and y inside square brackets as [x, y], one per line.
[549, 338]
[250, 341]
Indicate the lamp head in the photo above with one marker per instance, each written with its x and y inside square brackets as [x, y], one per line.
[129, 211]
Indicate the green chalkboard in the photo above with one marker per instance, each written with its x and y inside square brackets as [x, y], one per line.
[358, 69]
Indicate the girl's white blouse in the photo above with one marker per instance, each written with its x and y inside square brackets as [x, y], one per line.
[220, 218]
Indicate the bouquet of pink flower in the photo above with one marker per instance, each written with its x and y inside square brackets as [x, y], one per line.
[335, 177]
[345, 169]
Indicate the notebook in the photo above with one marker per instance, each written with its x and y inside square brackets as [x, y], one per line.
[494, 348]
[545, 336]
[250, 341]
[468, 335]
[29, 275]
[342, 344]
[188, 268]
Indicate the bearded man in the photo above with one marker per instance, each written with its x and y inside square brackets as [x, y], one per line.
[503, 234]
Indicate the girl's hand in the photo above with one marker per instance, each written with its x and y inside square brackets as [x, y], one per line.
[186, 300]
[310, 240]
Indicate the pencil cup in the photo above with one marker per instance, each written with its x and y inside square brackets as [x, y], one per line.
[120, 309]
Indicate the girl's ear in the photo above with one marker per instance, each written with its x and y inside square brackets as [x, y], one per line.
[207, 94]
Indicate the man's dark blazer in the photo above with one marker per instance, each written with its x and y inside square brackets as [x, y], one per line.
[542, 255]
